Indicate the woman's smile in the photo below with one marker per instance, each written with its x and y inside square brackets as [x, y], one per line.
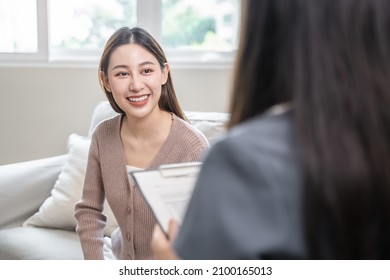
[139, 100]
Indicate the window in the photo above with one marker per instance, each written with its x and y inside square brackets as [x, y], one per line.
[91, 24]
[21, 31]
[199, 25]
[191, 32]
[16, 37]
[199, 30]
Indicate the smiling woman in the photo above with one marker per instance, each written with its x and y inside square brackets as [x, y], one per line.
[146, 51]
[151, 130]
[137, 82]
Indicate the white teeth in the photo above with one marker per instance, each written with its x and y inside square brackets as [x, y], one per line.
[138, 99]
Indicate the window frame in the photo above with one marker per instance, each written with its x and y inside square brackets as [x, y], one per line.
[149, 16]
[42, 53]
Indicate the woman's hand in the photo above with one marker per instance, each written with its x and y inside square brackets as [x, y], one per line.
[161, 245]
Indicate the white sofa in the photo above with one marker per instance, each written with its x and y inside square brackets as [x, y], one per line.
[37, 197]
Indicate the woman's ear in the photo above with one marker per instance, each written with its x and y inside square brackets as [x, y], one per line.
[104, 81]
[165, 73]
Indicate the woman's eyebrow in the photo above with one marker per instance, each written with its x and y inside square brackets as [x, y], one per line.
[146, 63]
[120, 66]
[127, 67]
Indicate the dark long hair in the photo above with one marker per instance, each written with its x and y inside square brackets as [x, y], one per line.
[331, 60]
[124, 35]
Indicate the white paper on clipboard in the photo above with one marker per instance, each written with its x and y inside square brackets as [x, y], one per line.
[167, 189]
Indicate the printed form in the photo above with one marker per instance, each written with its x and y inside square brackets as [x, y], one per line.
[168, 189]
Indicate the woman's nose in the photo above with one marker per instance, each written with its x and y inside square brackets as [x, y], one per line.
[136, 83]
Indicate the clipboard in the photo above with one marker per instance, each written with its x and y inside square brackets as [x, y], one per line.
[167, 189]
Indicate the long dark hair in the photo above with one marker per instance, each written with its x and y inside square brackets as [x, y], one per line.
[124, 35]
[331, 60]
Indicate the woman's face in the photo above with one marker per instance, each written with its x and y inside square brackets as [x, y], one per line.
[135, 78]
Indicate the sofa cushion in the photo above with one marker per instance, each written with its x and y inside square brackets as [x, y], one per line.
[24, 186]
[211, 124]
[101, 112]
[30, 243]
[57, 211]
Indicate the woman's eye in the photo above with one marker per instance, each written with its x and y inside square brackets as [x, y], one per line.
[122, 74]
[147, 71]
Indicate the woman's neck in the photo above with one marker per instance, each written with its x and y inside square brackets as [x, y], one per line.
[145, 129]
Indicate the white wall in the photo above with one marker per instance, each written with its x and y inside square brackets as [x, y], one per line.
[41, 106]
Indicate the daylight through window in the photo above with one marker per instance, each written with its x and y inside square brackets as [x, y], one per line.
[74, 30]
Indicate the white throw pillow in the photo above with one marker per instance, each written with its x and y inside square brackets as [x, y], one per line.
[57, 211]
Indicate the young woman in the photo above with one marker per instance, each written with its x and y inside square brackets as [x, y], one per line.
[150, 130]
[305, 169]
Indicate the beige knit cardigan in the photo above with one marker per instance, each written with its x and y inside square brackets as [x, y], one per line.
[106, 177]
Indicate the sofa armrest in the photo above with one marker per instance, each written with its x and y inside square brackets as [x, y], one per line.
[24, 186]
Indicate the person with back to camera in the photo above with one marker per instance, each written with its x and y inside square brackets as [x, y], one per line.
[304, 171]
[150, 130]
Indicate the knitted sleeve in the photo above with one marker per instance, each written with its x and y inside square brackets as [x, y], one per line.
[88, 211]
